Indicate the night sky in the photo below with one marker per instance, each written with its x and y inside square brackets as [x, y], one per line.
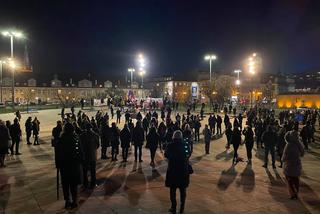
[74, 38]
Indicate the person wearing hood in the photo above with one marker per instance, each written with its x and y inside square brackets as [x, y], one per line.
[292, 167]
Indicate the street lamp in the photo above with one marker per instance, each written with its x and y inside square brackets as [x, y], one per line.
[238, 77]
[131, 70]
[12, 34]
[1, 66]
[142, 73]
[252, 65]
[210, 58]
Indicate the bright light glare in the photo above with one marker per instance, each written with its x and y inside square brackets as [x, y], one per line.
[5, 33]
[210, 57]
[131, 70]
[142, 73]
[17, 34]
[251, 63]
[254, 54]
[237, 71]
[238, 82]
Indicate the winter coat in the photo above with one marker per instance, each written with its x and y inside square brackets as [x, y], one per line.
[70, 157]
[90, 143]
[177, 172]
[207, 135]
[138, 136]
[152, 139]
[5, 138]
[269, 138]
[105, 133]
[292, 153]
[125, 138]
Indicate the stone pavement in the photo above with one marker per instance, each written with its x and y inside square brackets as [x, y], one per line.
[28, 183]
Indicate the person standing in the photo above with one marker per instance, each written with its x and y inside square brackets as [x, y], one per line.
[69, 161]
[4, 143]
[56, 132]
[138, 138]
[177, 176]
[187, 137]
[228, 134]
[269, 139]
[212, 123]
[36, 130]
[197, 126]
[207, 138]
[28, 126]
[235, 141]
[152, 143]
[305, 135]
[115, 137]
[219, 122]
[293, 151]
[226, 120]
[90, 143]
[118, 112]
[249, 141]
[15, 132]
[281, 143]
[105, 133]
[125, 137]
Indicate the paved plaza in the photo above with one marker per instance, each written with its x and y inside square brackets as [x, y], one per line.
[28, 183]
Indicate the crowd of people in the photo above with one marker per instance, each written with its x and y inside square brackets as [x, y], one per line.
[76, 139]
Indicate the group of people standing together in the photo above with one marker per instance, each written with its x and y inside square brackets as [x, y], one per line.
[11, 134]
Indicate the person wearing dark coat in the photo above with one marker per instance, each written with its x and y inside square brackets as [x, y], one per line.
[152, 143]
[118, 112]
[219, 122]
[145, 124]
[139, 116]
[187, 137]
[4, 143]
[138, 138]
[305, 135]
[127, 116]
[197, 126]
[226, 120]
[235, 141]
[105, 133]
[281, 143]
[125, 137]
[115, 137]
[36, 130]
[70, 157]
[212, 123]
[56, 132]
[269, 139]
[177, 176]
[292, 153]
[89, 141]
[207, 138]
[28, 126]
[228, 134]
[15, 132]
[162, 129]
[249, 141]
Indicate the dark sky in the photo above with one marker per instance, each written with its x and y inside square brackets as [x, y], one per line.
[73, 38]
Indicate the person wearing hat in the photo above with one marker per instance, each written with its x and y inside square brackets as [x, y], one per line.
[90, 143]
[177, 176]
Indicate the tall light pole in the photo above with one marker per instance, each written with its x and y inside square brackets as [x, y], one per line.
[142, 72]
[1, 66]
[12, 34]
[210, 58]
[141, 64]
[238, 77]
[131, 70]
[252, 67]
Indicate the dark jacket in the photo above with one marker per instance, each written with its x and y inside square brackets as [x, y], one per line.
[69, 158]
[105, 133]
[269, 138]
[15, 131]
[125, 137]
[236, 137]
[248, 136]
[177, 171]
[90, 143]
[28, 125]
[138, 135]
[152, 139]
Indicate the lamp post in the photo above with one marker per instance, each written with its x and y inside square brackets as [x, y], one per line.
[1, 66]
[12, 34]
[142, 72]
[210, 58]
[131, 70]
[252, 65]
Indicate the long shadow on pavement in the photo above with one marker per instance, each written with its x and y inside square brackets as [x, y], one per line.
[226, 178]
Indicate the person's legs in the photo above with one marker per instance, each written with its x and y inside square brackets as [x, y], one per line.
[207, 147]
[28, 137]
[74, 194]
[85, 175]
[140, 153]
[17, 146]
[93, 174]
[103, 151]
[266, 152]
[183, 195]
[12, 146]
[291, 186]
[272, 151]
[249, 152]
[296, 182]
[135, 152]
[173, 199]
